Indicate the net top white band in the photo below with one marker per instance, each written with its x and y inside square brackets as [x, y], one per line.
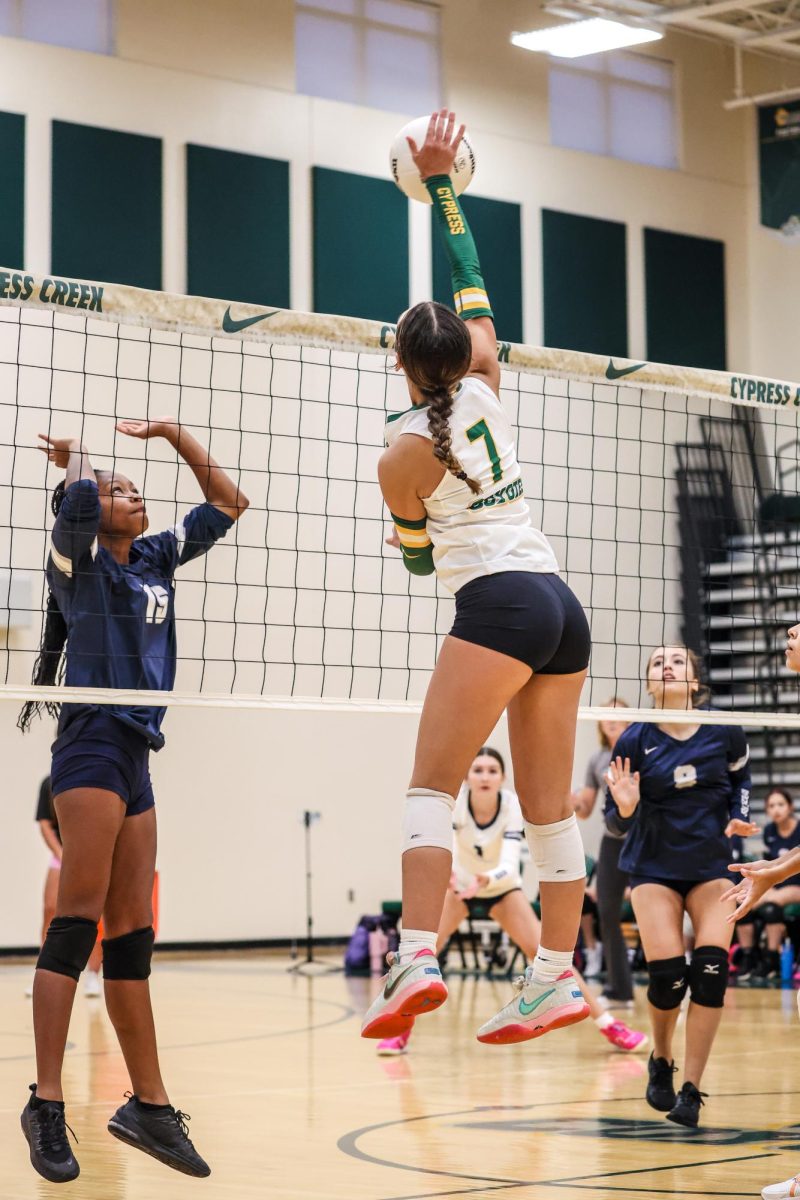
[215, 318]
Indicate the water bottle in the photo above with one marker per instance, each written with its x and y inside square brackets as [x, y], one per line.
[378, 946]
[787, 961]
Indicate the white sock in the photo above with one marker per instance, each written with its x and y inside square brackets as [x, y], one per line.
[604, 1020]
[414, 940]
[549, 964]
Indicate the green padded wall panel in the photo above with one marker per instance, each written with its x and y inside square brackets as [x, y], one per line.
[585, 283]
[12, 190]
[685, 298]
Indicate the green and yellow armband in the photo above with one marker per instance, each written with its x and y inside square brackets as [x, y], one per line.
[415, 544]
[469, 291]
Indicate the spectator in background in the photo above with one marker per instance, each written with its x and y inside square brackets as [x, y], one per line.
[611, 882]
[48, 825]
[781, 835]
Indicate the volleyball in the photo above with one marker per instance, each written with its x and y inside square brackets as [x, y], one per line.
[405, 173]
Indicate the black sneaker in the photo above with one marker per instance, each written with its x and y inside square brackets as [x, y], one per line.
[660, 1092]
[745, 965]
[162, 1133]
[687, 1106]
[45, 1130]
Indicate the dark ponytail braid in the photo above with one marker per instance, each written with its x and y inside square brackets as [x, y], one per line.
[440, 408]
[48, 669]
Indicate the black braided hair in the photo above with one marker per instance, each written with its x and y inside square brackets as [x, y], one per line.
[48, 669]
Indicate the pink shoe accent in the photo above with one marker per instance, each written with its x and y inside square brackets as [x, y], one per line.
[395, 1045]
[624, 1038]
[556, 1018]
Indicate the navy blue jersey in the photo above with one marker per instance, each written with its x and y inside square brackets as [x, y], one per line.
[121, 616]
[776, 846]
[688, 792]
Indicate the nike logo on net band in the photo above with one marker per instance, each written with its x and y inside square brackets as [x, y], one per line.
[230, 325]
[613, 372]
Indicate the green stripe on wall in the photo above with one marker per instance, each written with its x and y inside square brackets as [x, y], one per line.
[685, 298]
[237, 226]
[585, 284]
[497, 228]
[360, 246]
[106, 205]
[12, 190]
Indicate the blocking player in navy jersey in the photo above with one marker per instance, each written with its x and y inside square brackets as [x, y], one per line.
[111, 609]
[680, 792]
[781, 836]
[520, 641]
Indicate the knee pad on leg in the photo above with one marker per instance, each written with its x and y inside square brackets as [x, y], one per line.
[67, 946]
[129, 956]
[428, 820]
[747, 919]
[771, 914]
[669, 979]
[557, 850]
[708, 976]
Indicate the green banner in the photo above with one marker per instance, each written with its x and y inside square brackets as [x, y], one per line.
[779, 161]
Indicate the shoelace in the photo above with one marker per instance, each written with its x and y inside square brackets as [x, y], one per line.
[182, 1118]
[52, 1126]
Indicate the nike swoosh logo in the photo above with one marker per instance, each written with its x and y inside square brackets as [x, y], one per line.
[390, 987]
[649, 750]
[526, 1009]
[230, 325]
[613, 372]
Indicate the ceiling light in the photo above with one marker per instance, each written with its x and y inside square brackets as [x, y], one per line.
[584, 37]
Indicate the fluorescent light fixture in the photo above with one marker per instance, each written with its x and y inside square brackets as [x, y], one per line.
[584, 37]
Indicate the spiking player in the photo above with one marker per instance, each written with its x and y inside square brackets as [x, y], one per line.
[680, 792]
[520, 642]
[111, 610]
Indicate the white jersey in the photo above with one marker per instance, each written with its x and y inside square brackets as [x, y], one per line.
[491, 532]
[492, 849]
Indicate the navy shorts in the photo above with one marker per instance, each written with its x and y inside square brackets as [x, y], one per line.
[681, 886]
[97, 750]
[480, 908]
[529, 616]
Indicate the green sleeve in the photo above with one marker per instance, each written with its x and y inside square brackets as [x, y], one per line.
[415, 544]
[469, 290]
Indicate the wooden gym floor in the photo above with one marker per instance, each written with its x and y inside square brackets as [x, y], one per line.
[287, 1101]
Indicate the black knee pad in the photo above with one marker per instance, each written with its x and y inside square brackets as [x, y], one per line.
[669, 980]
[771, 914]
[708, 976]
[129, 956]
[67, 945]
[747, 919]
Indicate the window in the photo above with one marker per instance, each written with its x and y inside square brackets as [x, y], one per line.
[618, 104]
[381, 53]
[76, 24]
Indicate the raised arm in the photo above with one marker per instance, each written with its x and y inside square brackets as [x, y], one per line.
[434, 161]
[216, 485]
[78, 518]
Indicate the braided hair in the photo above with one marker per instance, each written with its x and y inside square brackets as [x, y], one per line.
[435, 350]
[48, 669]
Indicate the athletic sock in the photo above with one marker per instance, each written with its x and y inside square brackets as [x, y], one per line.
[37, 1102]
[414, 940]
[152, 1107]
[604, 1020]
[549, 964]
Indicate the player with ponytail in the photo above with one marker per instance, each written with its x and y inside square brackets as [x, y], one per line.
[520, 643]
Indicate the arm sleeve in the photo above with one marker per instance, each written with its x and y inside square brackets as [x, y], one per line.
[739, 772]
[415, 544]
[511, 847]
[199, 530]
[74, 538]
[469, 291]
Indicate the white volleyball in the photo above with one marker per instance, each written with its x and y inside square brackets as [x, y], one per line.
[405, 173]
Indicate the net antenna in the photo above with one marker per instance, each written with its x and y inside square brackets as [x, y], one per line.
[659, 487]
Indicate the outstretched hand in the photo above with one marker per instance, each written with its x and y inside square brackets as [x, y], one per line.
[437, 153]
[757, 881]
[739, 828]
[154, 427]
[623, 785]
[58, 450]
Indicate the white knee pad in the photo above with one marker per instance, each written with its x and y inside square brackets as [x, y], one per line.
[428, 819]
[557, 850]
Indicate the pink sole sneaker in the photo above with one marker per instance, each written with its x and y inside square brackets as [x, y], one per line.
[622, 1038]
[410, 990]
[556, 1018]
[390, 1047]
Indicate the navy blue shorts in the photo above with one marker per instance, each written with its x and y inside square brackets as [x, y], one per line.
[97, 750]
[529, 616]
[681, 886]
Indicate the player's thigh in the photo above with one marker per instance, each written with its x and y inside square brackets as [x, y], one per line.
[542, 720]
[89, 821]
[453, 913]
[468, 693]
[129, 904]
[516, 917]
[659, 917]
[709, 913]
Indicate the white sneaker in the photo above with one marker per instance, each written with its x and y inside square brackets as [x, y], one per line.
[594, 961]
[536, 1009]
[408, 991]
[91, 984]
[782, 1191]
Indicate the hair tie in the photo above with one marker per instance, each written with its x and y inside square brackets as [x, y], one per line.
[461, 474]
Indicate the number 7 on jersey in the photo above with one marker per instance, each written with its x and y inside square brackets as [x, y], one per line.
[481, 430]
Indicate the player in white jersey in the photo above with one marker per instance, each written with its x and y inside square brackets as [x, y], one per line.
[520, 642]
[488, 831]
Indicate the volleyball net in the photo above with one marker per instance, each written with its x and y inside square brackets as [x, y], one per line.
[669, 496]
